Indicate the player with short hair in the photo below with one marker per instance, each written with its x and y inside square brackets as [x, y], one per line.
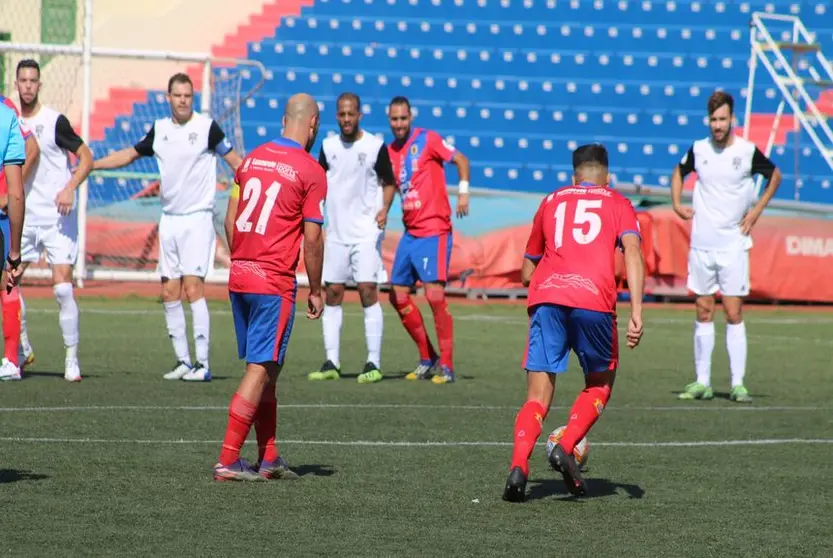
[51, 222]
[723, 214]
[424, 251]
[10, 298]
[283, 192]
[12, 159]
[360, 191]
[569, 267]
[184, 145]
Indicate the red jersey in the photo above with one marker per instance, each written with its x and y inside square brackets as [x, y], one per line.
[280, 186]
[4, 188]
[574, 235]
[418, 168]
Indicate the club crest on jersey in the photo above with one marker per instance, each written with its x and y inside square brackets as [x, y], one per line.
[192, 138]
[414, 150]
[39, 130]
[736, 163]
[362, 158]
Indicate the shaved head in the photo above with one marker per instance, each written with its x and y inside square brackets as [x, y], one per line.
[300, 119]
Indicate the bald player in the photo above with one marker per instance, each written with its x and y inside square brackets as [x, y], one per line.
[282, 201]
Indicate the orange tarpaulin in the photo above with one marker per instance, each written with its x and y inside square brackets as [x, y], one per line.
[792, 258]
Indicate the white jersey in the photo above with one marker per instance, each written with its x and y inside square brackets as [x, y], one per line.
[355, 175]
[56, 139]
[724, 192]
[185, 155]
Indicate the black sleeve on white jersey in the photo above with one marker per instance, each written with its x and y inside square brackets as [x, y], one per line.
[145, 145]
[686, 166]
[65, 136]
[384, 168]
[217, 141]
[322, 160]
[761, 164]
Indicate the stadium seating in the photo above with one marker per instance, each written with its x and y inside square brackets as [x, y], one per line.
[517, 84]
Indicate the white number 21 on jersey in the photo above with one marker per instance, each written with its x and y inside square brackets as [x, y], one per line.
[251, 195]
[584, 216]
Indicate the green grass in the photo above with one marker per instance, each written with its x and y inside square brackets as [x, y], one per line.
[120, 464]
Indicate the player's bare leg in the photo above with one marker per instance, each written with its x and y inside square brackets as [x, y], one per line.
[703, 347]
[736, 347]
[243, 411]
[331, 325]
[68, 318]
[373, 325]
[588, 407]
[194, 288]
[435, 293]
[400, 297]
[175, 321]
[540, 389]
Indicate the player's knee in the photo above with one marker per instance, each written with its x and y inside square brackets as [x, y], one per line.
[368, 294]
[400, 299]
[193, 290]
[335, 294]
[63, 293]
[734, 315]
[705, 309]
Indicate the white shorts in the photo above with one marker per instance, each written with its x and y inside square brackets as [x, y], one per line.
[58, 240]
[361, 263]
[186, 245]
[710, 271]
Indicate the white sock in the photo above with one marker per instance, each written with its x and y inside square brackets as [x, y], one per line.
[175, 320]
[201, 318]
[373, 325]
[736, 347]
[703, 347]
[24, 335]
[68, 317]
[331, 323]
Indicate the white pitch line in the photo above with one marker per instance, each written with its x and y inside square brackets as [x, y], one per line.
[520, 319]
[442, 444]
[666, 408]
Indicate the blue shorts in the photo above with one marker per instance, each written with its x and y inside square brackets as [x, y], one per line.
[7, 237]
[554, 330]
[421, 257]
[263, 324]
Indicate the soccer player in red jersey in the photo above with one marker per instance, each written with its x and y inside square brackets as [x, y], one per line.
[424, 251]
[10, 298]
[283, 191]
[569, 267]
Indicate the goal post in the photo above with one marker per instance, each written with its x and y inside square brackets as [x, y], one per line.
[118, 211]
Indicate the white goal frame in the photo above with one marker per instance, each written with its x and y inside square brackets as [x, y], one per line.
[86, 51]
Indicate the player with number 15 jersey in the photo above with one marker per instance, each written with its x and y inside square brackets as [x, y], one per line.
[569, 266]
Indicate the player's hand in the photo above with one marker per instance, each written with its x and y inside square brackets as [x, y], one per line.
[749, 221]
[65, 199]
[382, 219]
[684, 212]
[634, 330]
[13, 270]
[462, 205]
[315, 306]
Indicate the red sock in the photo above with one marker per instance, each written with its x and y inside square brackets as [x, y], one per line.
[412, 320]
[241, 415]
[266, 422]
[585, 412]
[445, 326]
[11, 324]
[527, 430]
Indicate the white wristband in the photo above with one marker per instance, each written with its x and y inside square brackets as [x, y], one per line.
[463, 187]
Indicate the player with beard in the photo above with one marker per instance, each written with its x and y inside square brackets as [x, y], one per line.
[424, 252]
[723, 213]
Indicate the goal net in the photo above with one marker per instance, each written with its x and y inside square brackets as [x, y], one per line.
[115, 102]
